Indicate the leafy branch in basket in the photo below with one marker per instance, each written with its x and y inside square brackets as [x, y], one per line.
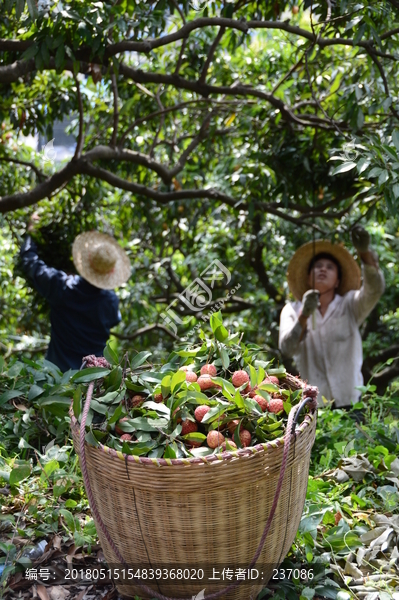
[219, 395]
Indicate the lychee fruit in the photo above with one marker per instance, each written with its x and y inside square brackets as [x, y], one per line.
[295, 10]
[200, 412]
[209, 370]
[186, 368]
[245, 438]
[214, 439]
[188, 427]
[118, 430]
[239, 378]
[232, 426]
[261, 401]
[231, 443]
[126, 437]
[191, 376]
[271, 379]
[205, 382]
[136, 401]
[158, 398]
[275, 405]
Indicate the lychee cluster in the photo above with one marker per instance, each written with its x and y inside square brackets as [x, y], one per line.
[207, 412]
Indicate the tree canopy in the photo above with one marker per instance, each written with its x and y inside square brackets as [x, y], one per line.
[204, 130]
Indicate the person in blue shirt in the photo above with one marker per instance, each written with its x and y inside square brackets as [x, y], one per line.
[84, 307]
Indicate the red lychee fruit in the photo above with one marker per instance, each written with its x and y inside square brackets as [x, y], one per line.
[295, 10]
[191, 376]
[261, 401]
[214, 439]
[275, 405]
[239, 378]
[200, 412]
[232, 426]
[209, 370]
[158, 398]
[231, 443]
[126, 437]
[136, 401]
[193, 443]
[245, 438]
[252, 393]
[118, 430]
[188, 427]
[271, 379]
[205, 382]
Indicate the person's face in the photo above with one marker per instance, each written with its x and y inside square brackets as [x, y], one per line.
[324, 275]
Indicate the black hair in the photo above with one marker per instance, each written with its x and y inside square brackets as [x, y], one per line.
[329, 257]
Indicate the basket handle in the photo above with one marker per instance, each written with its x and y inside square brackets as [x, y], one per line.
[290, 431]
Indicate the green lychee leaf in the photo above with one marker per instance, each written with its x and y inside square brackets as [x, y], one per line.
[139, 359]
[277, 371]
[165, 385]
[216, 321]
[90, 439]
[228, 446]
[169, 452]
[236, 435]
[117, 415]
[224, 357]
[77, 401]
[238, 400]
[252, 406]
[264, 394]
[141, 449]
[110, 355]
[269, 387]
[89, 374]
[226, 386]
[253, 376]
[221, 334]
[195, 436]
[287, 406]
[157, 407]
[261, 375]
[214, 413]
[177, 379]
[187, 353]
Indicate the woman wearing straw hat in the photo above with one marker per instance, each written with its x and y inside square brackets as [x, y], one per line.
[326, 283]
[83, 308]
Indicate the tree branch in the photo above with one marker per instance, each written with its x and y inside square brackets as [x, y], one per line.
[209, 58]
[375, 60]
[205, 90]
[114, 86]
[42, 190]
[79, 144]
[107, 153]
[143, 331]
[34, 168]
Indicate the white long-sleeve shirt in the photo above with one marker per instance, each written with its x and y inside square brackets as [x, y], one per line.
[330, 356]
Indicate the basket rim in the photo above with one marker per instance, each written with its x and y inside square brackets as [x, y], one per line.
[221, 456]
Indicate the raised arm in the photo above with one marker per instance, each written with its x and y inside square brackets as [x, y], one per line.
[47, 281]
[365, 299]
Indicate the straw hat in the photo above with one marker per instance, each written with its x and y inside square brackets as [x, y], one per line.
[100, 260]
[297, 273]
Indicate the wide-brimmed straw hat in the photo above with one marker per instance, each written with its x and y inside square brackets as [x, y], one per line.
[297, 273]
[100, 260]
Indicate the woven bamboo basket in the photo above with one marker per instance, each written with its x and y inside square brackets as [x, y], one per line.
[200, 513]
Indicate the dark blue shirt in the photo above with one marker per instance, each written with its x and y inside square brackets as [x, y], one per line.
[81, 315]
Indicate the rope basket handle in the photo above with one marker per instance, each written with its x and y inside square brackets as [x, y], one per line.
[290, 431]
